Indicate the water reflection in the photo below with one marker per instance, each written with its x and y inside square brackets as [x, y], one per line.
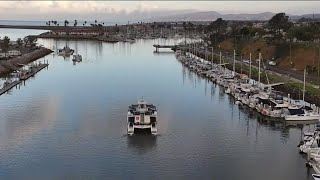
[142, 143]
[83, 133]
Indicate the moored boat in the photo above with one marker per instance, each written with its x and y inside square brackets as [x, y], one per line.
[77, 58]
[65, 51]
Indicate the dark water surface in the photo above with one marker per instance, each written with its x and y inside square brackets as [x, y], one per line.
[69, 122]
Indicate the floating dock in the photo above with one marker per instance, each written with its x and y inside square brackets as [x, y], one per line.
[34, 71]
[8, 87]
[23, 78]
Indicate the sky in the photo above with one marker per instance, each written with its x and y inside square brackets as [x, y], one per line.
[129, 10]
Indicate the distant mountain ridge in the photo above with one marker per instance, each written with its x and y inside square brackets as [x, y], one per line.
[213, 15]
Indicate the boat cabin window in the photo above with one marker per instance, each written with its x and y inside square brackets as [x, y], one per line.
[296, 111]
[142, 106]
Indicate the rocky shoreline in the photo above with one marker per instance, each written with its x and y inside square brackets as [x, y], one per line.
[77, 37]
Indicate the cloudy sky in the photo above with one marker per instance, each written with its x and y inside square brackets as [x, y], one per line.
[126, 10]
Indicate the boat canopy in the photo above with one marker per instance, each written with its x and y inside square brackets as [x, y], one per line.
[296, 111]
[267, 101]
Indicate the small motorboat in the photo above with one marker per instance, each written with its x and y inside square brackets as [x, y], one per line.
[316, 176]
[77, 58]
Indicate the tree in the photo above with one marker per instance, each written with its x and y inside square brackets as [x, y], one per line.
[66, 23]
[31, 40]
[200, 28]
[19, 41]
[5, 44]
[244, 31]
[184, 25]
[95, 21]
[279, 22]
[75, 23]
[190, 26]
[218, 25]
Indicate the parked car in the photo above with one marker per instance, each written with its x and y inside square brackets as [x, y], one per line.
[247, 61]
[272, 63]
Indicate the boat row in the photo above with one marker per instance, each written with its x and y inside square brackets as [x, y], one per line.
[248, 92]
[310, 145]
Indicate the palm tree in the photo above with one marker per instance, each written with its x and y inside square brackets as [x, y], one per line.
[66, 23]
[19, 41]
[5, 44]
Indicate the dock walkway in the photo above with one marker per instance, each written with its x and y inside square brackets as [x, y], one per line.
[23, 78]
[35, 70]
[8, 87]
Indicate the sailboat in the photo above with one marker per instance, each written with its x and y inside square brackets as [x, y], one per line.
[65, 51]
[304, 113]
[77, 57]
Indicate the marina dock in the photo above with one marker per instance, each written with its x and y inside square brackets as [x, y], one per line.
[8, 87]
[34, 71]
[158, 46]
[23, 78]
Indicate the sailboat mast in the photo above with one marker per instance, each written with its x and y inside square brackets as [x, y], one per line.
[304, 86]
[250, 67]
[220, 58]
[212, 57]
[234, 61]
[259, 68]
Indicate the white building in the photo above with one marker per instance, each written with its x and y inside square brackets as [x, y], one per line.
[2, 55]
[13, 43]
[14, 53]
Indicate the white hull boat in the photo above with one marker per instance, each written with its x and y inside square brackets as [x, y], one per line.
[142, 116]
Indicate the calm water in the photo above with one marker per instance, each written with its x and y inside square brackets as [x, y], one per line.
[14, 34]
[69, 122]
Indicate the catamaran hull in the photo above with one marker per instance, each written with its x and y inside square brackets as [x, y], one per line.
[133, 128]
[301, 118]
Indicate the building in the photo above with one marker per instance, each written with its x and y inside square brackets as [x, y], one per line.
[81, 32]
[2, 55]
[14, 53]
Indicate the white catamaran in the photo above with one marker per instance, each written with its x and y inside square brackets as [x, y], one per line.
[142, 116]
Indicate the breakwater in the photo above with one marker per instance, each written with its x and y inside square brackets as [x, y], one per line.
[79, 37]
